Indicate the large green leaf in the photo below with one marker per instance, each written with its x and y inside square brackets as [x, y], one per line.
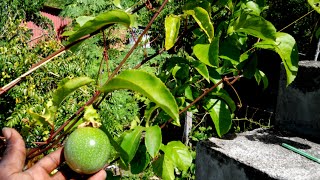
[254, 25]
[67, 87]
[220, 115]
[172, 26]
[130, 143]
[202, 17]
[179, 154]
[315, 4]
[285, 45]
[100, 21]
[140, 161]
[153, 139]
[163, 167]
[147, 85]
[208, 53]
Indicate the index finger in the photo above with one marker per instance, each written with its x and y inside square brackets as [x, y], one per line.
[49, 162]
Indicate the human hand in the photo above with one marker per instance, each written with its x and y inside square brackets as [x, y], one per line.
[13, 160]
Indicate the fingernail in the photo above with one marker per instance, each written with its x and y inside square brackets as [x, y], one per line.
[6, 132]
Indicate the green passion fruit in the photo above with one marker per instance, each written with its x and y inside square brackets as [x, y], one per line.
[87, 150]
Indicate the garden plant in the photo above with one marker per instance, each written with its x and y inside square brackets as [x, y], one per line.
[208, 46]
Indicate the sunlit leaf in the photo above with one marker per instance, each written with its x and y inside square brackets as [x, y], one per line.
[147, 85]
[315, 4]
[153, 140]
[179, 154]
[202, 69]
[202, 17]
[254, 7]
[220, 115]
[285, 45]
[254, 25]
[90, 114]
[81, 20]
[207, 53]
[188, 93]
[172, 26]
[67, 87]
[130, 143]
[100, 21]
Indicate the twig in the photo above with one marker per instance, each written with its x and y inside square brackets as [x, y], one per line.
[296, 20]
[201, 96]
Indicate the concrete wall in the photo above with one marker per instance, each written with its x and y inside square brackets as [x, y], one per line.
[298, 105]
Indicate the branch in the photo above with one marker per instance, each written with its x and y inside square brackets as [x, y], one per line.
[201, 96]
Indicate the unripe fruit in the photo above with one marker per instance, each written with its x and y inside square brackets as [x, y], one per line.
[87, 150]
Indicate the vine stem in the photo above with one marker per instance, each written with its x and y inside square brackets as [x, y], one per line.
[138, 40]
[296, 20]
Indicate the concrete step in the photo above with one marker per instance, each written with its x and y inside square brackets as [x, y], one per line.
[256, 155]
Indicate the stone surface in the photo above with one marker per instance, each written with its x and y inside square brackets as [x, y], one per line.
[256, 154]
[298, 105]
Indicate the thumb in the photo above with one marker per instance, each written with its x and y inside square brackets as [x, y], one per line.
[15, 153]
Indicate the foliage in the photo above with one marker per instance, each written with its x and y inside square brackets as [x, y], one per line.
[219, 46]
[224, 50]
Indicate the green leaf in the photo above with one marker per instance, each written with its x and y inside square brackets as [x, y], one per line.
[124, 155]
[254, 25]
[153, 139]
[117, 3]
[90, 114]
[315, 4]
[163, 167]
[223, 94]
[188, 93]
[229, 51]
[130, 143]
[67, 87]
[202, 69]
[201, 16]
[172, 26]
[148, 112]
[101, 21]
[285, 45]
[259, 75]
[179, 154]
[147, 85]
[208, 53]
[254, 7]
[220, 115]
[81, 20]
[41, 120]
[140, 161]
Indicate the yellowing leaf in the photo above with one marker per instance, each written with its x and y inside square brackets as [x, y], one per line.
[172, 26]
